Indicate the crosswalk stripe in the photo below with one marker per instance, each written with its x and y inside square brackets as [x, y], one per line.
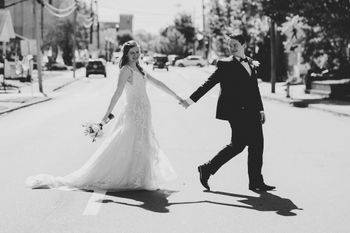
[94, 204]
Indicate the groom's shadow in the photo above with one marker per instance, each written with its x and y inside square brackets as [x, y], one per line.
[264, 202]
[157, 201]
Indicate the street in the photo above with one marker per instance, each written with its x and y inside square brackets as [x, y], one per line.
[306, 156]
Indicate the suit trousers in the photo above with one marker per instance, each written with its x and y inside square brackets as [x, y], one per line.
[246, 131]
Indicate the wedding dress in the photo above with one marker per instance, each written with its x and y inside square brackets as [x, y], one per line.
[128, 159]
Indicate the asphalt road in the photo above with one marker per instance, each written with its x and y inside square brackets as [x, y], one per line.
[306, 157]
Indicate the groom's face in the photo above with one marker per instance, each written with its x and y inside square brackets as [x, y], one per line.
[236, 46]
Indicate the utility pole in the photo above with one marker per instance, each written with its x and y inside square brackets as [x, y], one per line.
[204, 31]
[74, 40]
[273, 54]
[98, 27]
[2, 6]
[92, 25]
[38, 47]
[42, 21]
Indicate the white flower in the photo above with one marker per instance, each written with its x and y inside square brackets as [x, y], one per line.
[255, 63]
[94, 130]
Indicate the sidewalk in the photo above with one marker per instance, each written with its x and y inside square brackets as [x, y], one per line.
[29, 92]
[298, 98]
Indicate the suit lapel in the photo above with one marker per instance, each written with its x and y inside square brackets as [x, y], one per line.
[234, 60]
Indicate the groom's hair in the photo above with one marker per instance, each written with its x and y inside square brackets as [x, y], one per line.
[240, 38]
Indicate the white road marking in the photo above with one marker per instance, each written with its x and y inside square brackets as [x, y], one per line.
[94, 204]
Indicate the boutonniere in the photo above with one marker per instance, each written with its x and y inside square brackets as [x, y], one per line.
[253, 63]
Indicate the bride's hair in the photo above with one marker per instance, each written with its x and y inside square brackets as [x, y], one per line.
[125, 49]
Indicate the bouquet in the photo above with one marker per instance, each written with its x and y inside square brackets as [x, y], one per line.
[94, 130]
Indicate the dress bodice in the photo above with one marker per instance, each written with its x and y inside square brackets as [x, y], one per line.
[136, 86]
[138, 106]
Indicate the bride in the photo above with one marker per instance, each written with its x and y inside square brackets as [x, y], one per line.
[129, 158]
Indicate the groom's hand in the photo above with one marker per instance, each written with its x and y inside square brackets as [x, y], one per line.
[262, 117]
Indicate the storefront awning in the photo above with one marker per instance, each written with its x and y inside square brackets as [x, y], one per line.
[6, 27]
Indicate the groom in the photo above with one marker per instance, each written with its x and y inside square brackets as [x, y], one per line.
[240, 104]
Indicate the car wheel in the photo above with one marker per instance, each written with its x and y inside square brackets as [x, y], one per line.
[87, 75]
[199, 65]
[181, 65]
[105, 75]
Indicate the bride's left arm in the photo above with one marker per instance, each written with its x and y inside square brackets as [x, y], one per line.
[162, 86]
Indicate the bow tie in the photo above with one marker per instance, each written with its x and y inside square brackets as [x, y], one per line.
[243, 59]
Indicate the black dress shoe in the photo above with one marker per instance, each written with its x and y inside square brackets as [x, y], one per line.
[261, 187]
[204, 176]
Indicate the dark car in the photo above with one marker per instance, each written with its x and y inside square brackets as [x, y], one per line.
[56, 66]
[161, 62]
[95, 67]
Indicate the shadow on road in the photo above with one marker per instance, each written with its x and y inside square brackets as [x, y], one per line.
[157, 201]
[265, 202]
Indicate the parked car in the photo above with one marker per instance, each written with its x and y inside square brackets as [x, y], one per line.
[161, 62]
[95, 67]
[56, 66]
[191, 60]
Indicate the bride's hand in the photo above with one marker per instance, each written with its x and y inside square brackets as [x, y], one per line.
[179, 98]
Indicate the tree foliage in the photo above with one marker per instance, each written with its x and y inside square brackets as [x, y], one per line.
[236, 17]
[331, 15]
[329, 22]
[61, 35]
[171, 42]
[184, 24]
[123, 37]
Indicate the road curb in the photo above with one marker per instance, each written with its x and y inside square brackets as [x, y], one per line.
[25, 105]
[44, 99]
[311, 106]
[291, 101]
[66, 84]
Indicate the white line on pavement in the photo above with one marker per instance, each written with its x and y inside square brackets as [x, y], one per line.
[94, 204]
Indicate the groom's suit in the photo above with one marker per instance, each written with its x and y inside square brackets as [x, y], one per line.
[240, 104]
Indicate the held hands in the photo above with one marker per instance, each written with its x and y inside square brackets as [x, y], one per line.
[184, 103]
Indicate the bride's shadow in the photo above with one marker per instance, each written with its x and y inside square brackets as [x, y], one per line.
[157, 201]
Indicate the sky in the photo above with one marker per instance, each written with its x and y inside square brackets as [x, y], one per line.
[150, 15]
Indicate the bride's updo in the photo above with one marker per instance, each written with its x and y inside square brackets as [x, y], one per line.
[125, 49]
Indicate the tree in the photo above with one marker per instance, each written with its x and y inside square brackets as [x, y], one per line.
[123, 37]
[329, 21]
[236, 16]
[184, 24]
[174, 42]
[61, 35]
[145, 40]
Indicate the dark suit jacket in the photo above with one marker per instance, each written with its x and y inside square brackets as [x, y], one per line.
[239, 90]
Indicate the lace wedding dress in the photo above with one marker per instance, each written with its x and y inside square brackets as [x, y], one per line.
[128, 159]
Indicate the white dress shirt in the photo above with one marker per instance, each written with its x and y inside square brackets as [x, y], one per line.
[245, 64]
